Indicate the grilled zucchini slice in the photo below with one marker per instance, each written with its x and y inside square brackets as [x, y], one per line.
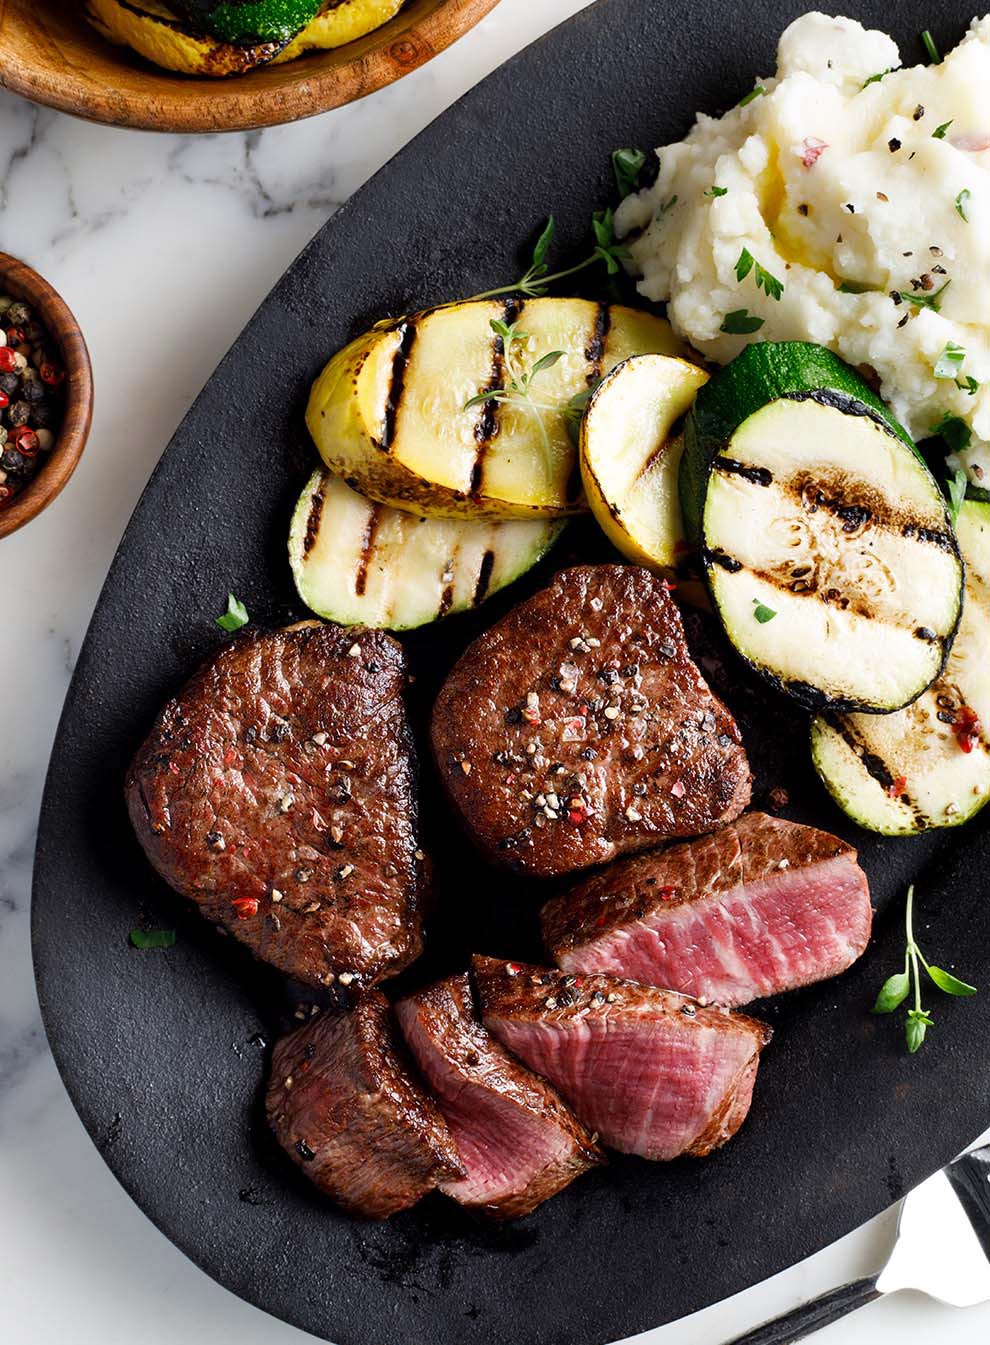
[929, 765]
[360, 563]
[825, 541]
[390, 413]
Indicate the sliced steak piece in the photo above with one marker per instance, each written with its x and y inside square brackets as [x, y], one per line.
[518, 1141]
[652, 1072]
[277, 791]
[578, 728]
[761, 906]
[345, 1105]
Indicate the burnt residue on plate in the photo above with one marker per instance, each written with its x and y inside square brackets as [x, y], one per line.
[161, 1049]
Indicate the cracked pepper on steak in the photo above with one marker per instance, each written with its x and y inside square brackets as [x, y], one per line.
[578, 728]
[277, 791]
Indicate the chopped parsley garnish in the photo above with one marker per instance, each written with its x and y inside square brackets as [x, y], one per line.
[717, 191]
[949, 363]
[875, 79]
[897, 988]
[235, 616]
[854, 287]
[753, 93]
[922, 300]
[763, 614]
[152, 938]
[666, 207]
[962, 201]
[968, 384]
[627, 164]
[928, 42]
[955, 432]
[939, 131]
[740, 322]
[957, 493]
[764, 280]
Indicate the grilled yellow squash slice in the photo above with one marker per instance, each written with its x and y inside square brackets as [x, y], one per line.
[339, 23]
[630, 458]
[396, 413]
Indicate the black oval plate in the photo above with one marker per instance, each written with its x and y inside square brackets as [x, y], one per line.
[164, 1053]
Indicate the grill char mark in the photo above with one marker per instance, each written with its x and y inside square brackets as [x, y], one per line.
[484, 577]
[874, 765]
[367, 547]
[313, 520]
[487, 427]
[397, 383]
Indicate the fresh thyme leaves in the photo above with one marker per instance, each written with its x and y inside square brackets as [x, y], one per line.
[627, 164]
[764, 280]
[897, 988]
[955, 432]
[740, 322]
[949, 363]
[753, 93]
[235, 616]
[518, 386]
[922, 300]
[957, 493]
[763, 614]
[939, 131]
[152, 938]
[875, 79]
[717, 191]
[928, 42]
[573, 410]
[534, 282]
[962, 200]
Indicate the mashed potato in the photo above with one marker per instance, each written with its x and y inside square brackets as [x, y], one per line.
[852, 192]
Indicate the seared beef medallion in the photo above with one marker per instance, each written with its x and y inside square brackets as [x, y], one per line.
[277, 791]
[652, 1072]
[346, 1107]
[762, 906]
[578, 728]
[518, 1141]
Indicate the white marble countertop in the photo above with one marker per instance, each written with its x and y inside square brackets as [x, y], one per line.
[164, 246]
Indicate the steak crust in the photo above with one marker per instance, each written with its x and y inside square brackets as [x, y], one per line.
[578, 728]
[347, 1108]
[518, 1141]
[277, 791]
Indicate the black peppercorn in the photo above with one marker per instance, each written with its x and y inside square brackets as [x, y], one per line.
[9, 382]
[12, 461]
[33, 389]
[41, 416]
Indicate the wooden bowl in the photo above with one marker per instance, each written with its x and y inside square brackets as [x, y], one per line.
[52, 55]
[21, 282]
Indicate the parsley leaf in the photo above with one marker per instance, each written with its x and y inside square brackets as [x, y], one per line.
[235, 616]
[740, 323]
[962, 200]
[627, 164]
[950, 361]
[957, 493]
[955, 432]
[717, 191]
[764, 280]
[753, 93]
[763, 614]
[922, 300]
[875, 79]
[152, 938]
[854, 287]
[744, 265]
[928, 42]
[939, 131]
[968, 384]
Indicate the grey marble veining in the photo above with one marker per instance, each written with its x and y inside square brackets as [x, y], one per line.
[164, 246]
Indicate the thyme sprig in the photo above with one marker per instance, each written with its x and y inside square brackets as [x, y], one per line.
[537, 278]
[519, 379]
[897, 988]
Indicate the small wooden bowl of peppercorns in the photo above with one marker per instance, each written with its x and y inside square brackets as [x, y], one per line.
[46, 394]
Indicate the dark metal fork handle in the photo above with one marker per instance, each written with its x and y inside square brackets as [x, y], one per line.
[811, 1317]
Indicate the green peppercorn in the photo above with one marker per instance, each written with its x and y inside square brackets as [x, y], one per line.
[18, 314]
[18, 413]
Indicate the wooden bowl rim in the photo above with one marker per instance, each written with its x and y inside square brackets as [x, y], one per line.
[25, 283]
[176, 103]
